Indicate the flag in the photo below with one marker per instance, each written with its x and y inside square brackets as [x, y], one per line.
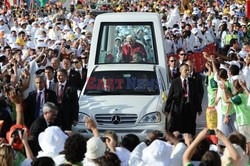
[221, 2]
[174, 18]
[7, 4]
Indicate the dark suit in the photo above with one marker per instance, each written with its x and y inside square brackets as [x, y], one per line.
[69, 107]
[174, 73]
[74, 79]
[182, 108]
[84, 75]
[197, 79]
[53, 85]
[38, 126]
[29, 114]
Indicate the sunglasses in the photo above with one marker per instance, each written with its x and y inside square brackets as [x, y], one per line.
[173, 61]
[75, 62]
[183, 54]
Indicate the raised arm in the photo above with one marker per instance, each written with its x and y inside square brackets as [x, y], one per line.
[191, 149]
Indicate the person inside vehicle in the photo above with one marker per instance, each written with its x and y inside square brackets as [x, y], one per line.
[132, 46]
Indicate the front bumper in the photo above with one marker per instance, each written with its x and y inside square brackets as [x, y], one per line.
[141, 130]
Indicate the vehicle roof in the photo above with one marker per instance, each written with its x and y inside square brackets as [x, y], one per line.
[125, 67]
[128, 17]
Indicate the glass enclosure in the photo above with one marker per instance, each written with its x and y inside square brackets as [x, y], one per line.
[126, 43]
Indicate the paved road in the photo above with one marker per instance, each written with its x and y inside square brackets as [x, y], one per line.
[201, 120]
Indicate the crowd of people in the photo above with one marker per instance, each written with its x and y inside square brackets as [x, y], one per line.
[44, 55]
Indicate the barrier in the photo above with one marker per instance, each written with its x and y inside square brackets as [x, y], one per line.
[197, 57]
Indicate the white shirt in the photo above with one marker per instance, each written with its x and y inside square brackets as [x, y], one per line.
[246, 76]
[42, 100]
[48, 81]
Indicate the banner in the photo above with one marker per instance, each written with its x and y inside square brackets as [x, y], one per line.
[248, 9]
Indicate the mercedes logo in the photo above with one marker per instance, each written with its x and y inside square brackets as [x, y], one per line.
[116, 119]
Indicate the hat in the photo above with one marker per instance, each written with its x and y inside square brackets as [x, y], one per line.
[82, 25]
[95, 148]
[195, 12]
[31, 45]
[34, 23]
[23, 22]
[209, 10]
[157, 153]
[48, 25]
[70, 36]
[41, 44]
[118, 38]
[66, 28]
[233, 6]
[18, 145]
[52, 140]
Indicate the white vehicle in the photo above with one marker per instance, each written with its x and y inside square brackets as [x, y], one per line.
[127, 80]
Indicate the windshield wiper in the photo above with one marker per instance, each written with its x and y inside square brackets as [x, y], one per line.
[102, 93]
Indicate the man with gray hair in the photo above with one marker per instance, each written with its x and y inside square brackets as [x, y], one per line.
[49, 118]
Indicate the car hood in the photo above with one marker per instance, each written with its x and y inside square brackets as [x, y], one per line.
[139, 105]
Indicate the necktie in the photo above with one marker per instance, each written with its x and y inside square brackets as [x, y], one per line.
[50, 85]
[38, 104]
[60, 94]
[185, 86]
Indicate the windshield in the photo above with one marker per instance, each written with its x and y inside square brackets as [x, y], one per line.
[126, 43]
[122, 83]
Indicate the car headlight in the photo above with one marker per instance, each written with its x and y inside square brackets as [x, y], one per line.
[154, 117]
[81, 117]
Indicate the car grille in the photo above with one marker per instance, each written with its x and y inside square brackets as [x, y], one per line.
[116, 119]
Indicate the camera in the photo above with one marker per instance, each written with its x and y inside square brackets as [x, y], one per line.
[211, 132]
[104, 139]
[15, 133]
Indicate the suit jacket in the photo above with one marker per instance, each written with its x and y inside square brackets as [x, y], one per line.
[74, 79]
[69, 107]
[175, 74]
[54, 86]
[84, 76]
[175, 96]
[50, 96]
[197, 79]
[38, 126]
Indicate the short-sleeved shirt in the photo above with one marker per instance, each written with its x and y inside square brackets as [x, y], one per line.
[211, 88]
[242, 109]
[189, 164]
[223, 103]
